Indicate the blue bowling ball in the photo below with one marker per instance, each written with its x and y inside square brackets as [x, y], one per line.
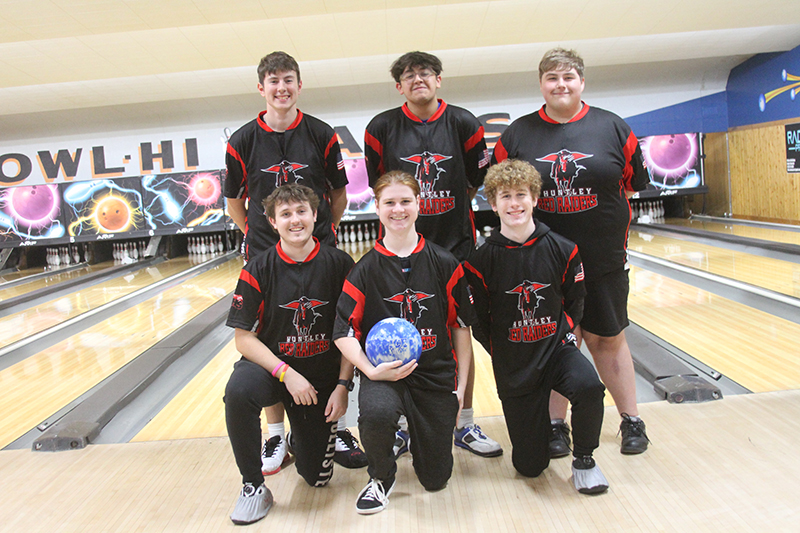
[393, 339]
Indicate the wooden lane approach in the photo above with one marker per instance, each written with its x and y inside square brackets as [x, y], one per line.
[41, 384]
[717, 466]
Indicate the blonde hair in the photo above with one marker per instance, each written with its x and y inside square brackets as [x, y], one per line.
[394, 177]
[511, 174]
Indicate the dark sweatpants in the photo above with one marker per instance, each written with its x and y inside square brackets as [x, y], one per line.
[250, 389]
[431, 418]
[528, 417]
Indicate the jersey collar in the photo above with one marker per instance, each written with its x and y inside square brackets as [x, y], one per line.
[263, 123]
[576, 118]
[415, 118]
[291, 261]
[380, 248]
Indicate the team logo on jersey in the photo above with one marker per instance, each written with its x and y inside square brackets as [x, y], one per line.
[238, 301]
[564, 168]
[431, 201]
[411, 309]
[530, 328]
[285, 172]
[305, 343]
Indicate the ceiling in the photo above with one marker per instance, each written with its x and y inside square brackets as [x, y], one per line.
[93, 65]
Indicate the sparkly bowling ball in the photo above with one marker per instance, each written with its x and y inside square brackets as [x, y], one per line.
[393, 339]
[670, 151]
[34, 202]
[112, 214]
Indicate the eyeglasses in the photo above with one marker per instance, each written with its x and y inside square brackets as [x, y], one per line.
[411, 76]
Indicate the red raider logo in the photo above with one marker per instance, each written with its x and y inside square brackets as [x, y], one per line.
[411, 309]
[564, 168]
[304, 344]
[530, 328]
[285, 172]
[431, 201]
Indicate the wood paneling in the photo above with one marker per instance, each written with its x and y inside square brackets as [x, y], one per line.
[761, 188]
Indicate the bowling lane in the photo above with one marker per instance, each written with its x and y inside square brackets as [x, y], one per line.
[753, 348]
[739, 230]
[773, 274]
[42, 384]
[29, 321]
[197, 411]
[55, 277]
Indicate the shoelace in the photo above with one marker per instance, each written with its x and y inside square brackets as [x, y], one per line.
[269, 446]
[477, 430]
[632, 427]
[375, 492]
[349, 442]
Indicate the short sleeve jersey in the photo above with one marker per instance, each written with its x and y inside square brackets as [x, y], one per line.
[259, 160]
[446, 154]
[586, 165]
[528, 297]
[292, 307]
[434, 298]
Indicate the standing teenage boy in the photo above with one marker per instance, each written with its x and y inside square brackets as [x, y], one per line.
[283, 311]
[527, 283]
[442, 146]
[424, 284]
[284, 145]
[592, 163]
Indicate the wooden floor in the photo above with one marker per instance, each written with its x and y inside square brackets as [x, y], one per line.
[741, 230]
[40, 385]
[56, 276]
[41, 317]
[783, 276]
[722, 466]
[757, 350]
[726, 466]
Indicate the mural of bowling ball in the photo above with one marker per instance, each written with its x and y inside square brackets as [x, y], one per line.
[112, 214]
[204, 189]
[670, 155]
[34, 206]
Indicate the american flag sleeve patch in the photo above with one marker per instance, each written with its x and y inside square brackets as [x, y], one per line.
[579, 273]
[486, 157]
[339, 162]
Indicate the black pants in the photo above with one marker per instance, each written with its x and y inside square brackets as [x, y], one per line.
[431, 418]
[250, 389]
[528, 417]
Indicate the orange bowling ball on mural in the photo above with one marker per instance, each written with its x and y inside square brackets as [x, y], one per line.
[112, 214]
[204, 188]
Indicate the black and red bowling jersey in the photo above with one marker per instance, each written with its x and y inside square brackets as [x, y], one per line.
[586, 165]
[259, 160]
[292, 307]
[528, 297]
[446, 154]
[434, 298]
